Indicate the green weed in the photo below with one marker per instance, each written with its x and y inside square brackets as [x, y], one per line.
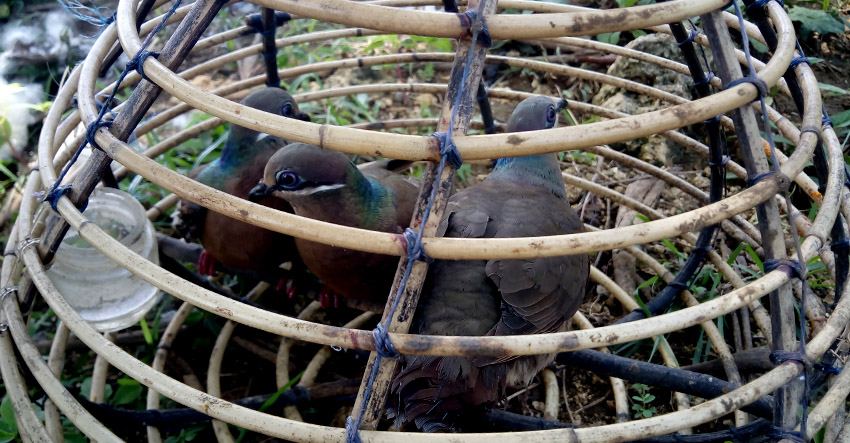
[642, 401]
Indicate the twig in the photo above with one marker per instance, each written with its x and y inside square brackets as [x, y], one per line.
[185, 369]
[518, 393]
[255, 349]
[593, 403]
[11, 205]
[567, 399]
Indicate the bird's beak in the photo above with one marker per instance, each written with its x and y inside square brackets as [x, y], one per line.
[562, 104]
[260, 192]
[303, 117]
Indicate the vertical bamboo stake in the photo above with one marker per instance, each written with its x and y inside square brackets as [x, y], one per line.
[173, 53]
[269, 52]
[749, 138]
[56, 361]
[142, 11]
[374, 409]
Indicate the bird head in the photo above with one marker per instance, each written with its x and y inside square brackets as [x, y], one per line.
[299, 172]
[534, 113]
[241, 143]
[275, 101]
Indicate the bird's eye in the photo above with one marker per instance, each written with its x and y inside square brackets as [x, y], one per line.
[288, 110]
[287, 179]
[551, 114]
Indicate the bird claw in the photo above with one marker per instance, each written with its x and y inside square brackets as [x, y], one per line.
[290, 289]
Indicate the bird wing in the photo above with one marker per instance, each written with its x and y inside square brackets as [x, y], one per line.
[386, 164]
[188, 218]
[538, 295]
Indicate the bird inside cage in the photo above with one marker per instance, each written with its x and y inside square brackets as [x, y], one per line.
[522, 197]
[238, 245]
[326, 185]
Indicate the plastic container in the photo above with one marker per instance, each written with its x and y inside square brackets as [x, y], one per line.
[104, 293]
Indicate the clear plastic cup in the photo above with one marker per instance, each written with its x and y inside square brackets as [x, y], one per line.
[105, 294]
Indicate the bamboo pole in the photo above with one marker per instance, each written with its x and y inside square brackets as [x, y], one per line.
[781, 300]
[478, 147]
[502, 26]
[431, 204]
[416, 148]
[552, 402]
[415, 344]
[158, 364]
[55, 361]
[29, 426]
[750, 235]
[172, 54]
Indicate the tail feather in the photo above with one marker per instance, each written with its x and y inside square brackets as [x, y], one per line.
[435, 404]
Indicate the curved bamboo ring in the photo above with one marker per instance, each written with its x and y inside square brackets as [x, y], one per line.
[418, 344]
[280, 427]
[390, 244]
[502, 26]
[453, 248]
[478, 147]
[340, 344]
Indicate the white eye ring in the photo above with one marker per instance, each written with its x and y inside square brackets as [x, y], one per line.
[287, 179]
[550, 114]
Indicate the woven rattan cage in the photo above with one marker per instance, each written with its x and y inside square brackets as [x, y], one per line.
[38, 226]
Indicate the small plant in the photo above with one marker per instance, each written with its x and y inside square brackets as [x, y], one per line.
[642, 400]
[8, 425]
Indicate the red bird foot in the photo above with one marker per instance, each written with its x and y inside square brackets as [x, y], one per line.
[325, 297]
[290, 287]
[206, 264]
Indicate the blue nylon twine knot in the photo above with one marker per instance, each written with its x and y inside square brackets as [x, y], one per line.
[448, 149]
[415, 250]
[383, 345]
[137, 63]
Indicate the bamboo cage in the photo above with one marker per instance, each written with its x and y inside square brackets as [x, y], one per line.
[556, 25]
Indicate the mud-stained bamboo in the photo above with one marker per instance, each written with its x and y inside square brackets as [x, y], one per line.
[56, 361]
[438, 184]
[752, 150]
[425, 148]
[435, 24]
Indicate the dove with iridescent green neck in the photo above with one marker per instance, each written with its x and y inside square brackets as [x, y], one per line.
[325, 185]
[239, 245]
